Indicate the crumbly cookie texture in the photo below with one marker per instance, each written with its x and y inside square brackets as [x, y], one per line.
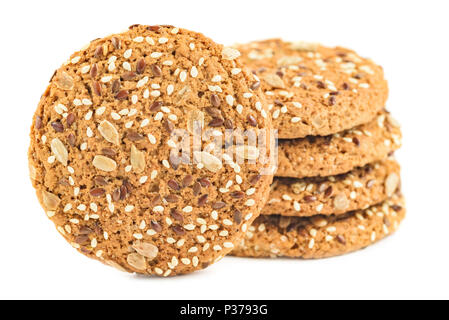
[315, 90]
[339, 153]
[321, 236]
[357, 189]
[100, 150]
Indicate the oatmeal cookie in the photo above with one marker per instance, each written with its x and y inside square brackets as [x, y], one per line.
[315, 90]
[108, 171]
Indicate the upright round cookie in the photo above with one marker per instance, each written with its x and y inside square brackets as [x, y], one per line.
[112, 176]
[315, 90]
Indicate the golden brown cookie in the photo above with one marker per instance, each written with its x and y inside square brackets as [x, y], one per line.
[357, 189]
[321, 236]
[315, 90]
[108, 171]
[341, 152]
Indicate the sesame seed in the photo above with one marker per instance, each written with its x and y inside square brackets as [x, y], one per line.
[239, 108]
[228, 245]
[126, 66]
[296, 206]
[153, 174]
[87, 102]
[89, 132]
[106, 79]
[230, 100]
[311, 243]
[156, 55]
[129, 124]
[183, 76]
[250, 202]
[170, 89]
[144, 122]
[155, 93]
[128, 53]
[111, 66]
[216, 78]
[151, 138]
[194, 72]
[158, 209]
[149, 40]
[142, 82]
[143, 179]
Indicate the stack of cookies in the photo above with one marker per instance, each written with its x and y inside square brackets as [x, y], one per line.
[112, 175]
[337, 186]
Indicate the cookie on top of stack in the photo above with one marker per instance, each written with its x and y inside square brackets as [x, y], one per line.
[337, 187]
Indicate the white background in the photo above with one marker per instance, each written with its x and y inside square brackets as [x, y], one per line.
[409, 38]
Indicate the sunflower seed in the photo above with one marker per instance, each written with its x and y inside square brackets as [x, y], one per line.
[146, 249]
[137, 159]
[210, 162]
[136, 261]
[59, 150]
[109, 132]
[64, 81]
[50, 201]
[104, 163]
